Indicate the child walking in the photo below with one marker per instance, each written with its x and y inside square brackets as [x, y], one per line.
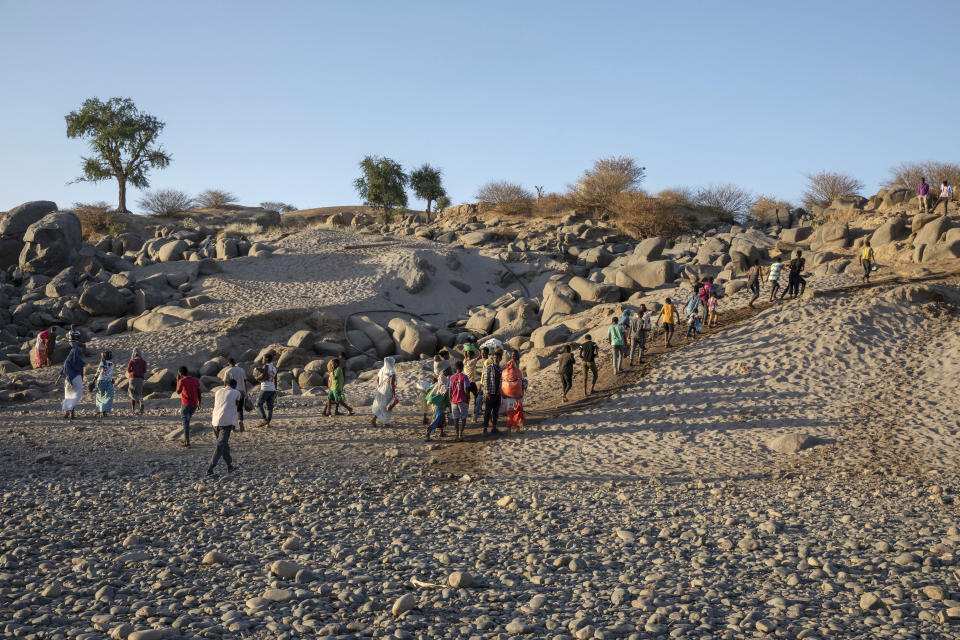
[712, 305]
[460, 399]
[336, 397]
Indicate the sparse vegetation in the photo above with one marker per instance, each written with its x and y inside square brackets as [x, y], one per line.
[824, 186]
[382, 185]
[123, 141]
[505, 197]
[165, 202]
[637, 214]
[427, 184]
[442, 203]
[678, 196]
[216, 199]
[907, 175]
[764, 203]
[552, 204]
[279, 207]
[728, 200]
[600, 185]
[242, 229]
[95, 218]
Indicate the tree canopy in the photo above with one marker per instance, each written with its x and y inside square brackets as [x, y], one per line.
[427, 184]
[382, 184]
[123, 141]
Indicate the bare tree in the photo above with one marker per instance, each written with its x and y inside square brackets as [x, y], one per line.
[824, 186]
[163, 202]
[539, 189]
[506, 197]
[216, 198]
[907, 175]
[728, 199]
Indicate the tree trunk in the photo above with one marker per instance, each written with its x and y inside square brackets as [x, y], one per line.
[122, 207]
[428, 209]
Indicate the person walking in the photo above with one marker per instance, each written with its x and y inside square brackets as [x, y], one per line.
[946, 194]
[43, 348]
[923, 196]
[492, 379]
[588, 361]
[795, 282]
[460, 399]
[754, 282]
[479, 398]
[439, 397]
[103, 383]
[615, 338]
[335, 396]
[189, 389]
[224, 421]
[667, 318]
[773, 277]
[385, 398]
[72, 375]
[712, 305]
[236, 372]
[267, 374]
[705, 290]
[639, 329]
[471, 358]
[136, 372]
[866, 261]
[565, 365]
[512, 387]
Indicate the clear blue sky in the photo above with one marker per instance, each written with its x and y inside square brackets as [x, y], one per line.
[280, 100]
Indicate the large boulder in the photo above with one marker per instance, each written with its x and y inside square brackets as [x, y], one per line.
[14, 224]
[596, 257]
[413, 337]
[475, 238]
[413, 271]
[302, 339]
[796, 234]
[777, 217]
[517, 319]
[648, 249]
[831, 235]
[382, 340]
[171, 251]
[941, 251]
[747, 248]
[155, 321]
[556, 306]
[931, 231]
[920, 220]
[648, 275]
[482, 320]
[104, 299]
[892, 230]
[549, 336]
[227, 248]
[593, 291]
[51, 243]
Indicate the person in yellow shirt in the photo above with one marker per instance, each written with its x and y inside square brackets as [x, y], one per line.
[668, 318]
[866, 261]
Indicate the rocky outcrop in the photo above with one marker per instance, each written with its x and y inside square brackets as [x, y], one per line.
[103, 299]
[892, 230]
[831, 235]
[413, 337]
[14, 224]
[51, 243]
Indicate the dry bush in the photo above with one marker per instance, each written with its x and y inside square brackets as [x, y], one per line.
[165, 202]
[216, 199]
[242, 229]
[505, 197]
[639, 215]
[764, 203]
[600, 185]
[824, 186]
[729, 201]
[95, 218]
[678, 196]
[907, 175]
[551, 204]
[279, 207]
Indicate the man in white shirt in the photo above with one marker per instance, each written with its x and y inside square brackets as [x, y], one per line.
[639, 329]
[268, 390]
[946, 193]
[224, 421]
[235, 372]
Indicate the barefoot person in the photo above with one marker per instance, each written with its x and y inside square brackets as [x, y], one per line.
[103, 384]
[754, 281]
[668, 318]
[335, 396]
[72, 375]
[588, 360]
[866, 261]
[136, 372]
[225, 420]
[492, 380]
[712, 306]
[386, 397]
[189, 389]
[267, 374]
[565, 365]
[773, 277]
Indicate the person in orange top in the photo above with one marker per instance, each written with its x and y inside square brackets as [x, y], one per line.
[668, 318]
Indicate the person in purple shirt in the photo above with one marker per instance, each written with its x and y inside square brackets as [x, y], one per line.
[923, 195]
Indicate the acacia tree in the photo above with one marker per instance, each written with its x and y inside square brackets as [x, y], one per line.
[123, 140]
[599, 185]
[382, 184]
[427, 184]
[824, 186]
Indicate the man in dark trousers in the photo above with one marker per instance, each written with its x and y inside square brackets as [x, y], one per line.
[189, 389]
[224, 421]
[492, 378]
[588, 358]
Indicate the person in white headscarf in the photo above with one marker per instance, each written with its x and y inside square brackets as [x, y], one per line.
[386, 398]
